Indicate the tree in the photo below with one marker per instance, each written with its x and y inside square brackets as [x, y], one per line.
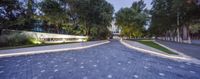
[93, 14]
[188, 11]
[12, 14]
[163, 18]
[132, 20]
[54, 13]
[80, 17]
[171, 18]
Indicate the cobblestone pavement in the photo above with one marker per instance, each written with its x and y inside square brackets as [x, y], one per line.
[108, 61]
[190, 50]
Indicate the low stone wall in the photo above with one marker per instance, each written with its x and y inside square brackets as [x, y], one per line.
[47, 37]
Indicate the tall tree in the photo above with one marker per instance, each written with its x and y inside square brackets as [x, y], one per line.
[54, 13]
[11, 13]
[170, 16]
[132, 20]
[93, 13]
[163, 18]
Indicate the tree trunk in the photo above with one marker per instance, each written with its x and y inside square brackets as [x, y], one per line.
[87, 29]
[172, 35]
[186, 36]
[178, 35]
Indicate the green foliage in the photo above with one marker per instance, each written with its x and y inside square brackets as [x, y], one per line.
[171, 14]
[80, 17]
[188, 10]
[11, 13]
[131, 21]
[17, 39]
[162, 16]
[194, 28]
[93, 14]
[53, 11]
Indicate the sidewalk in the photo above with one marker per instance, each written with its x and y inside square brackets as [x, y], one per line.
[47, 49]
[196, 42]
[187, 49]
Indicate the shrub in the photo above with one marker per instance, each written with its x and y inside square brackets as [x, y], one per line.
[17, 39]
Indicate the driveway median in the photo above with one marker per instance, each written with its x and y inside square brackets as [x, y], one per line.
[147, 49]
[50, 49]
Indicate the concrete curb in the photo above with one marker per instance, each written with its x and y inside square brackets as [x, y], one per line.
[179, 58]
[50, 51]
[181, 54]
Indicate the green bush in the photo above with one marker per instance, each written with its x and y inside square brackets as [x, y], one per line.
[17, 39]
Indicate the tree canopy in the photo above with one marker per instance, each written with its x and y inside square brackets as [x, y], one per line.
[171, 14]
[132, 20]
[12, 13]
[82, 17]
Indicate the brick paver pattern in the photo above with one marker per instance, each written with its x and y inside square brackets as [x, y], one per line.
[108, 61]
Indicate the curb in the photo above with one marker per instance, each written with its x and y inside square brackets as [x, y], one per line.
[52, 50]
[181, 54]
[181, 58]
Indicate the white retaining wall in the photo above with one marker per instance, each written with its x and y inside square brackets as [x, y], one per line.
[49, 37]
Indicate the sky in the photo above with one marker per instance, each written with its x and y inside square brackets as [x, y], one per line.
[118, 4]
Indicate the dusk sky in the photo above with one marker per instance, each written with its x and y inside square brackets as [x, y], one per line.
[118, 4]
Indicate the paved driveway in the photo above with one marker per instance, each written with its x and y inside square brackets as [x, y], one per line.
[108, 61]
[190, 50]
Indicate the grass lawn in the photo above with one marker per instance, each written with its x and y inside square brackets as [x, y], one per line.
[157, 46]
